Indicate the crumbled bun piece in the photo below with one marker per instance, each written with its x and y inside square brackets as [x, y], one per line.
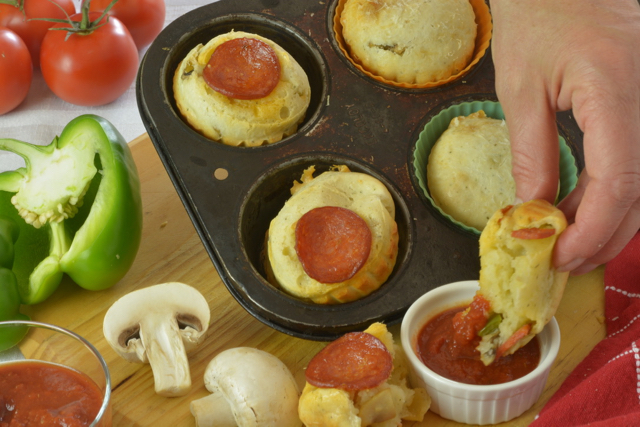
[240, 122]
[383, 406]
[413, 42]
[469, 169]
[362, 194]
[517, 275]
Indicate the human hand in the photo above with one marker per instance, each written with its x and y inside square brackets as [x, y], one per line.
[556, 55]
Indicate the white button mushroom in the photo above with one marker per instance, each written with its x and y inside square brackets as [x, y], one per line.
[158, 325]
[251, 388]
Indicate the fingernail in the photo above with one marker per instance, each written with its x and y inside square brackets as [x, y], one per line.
[572, 265]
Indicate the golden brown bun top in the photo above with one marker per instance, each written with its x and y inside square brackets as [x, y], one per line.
[416, 41]
[361, 193]
[469, 169]
[241, 122]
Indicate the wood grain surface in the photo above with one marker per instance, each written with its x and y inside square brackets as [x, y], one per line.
[172, 251]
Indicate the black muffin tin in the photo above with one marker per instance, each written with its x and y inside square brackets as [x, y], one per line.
[352, 120]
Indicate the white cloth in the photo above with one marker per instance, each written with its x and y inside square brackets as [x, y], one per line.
[42, 115]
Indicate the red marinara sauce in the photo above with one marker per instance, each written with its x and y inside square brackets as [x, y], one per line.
[34, 393]
[455, 357]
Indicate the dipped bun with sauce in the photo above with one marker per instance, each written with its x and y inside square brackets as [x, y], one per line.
[520, 289]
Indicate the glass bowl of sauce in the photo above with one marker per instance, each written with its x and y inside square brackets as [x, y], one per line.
[462, 389]
[55, 378]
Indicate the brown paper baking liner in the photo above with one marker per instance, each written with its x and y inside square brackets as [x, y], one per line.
[483, 39]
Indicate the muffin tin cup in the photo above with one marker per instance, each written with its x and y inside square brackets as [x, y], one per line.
[232, 193]
[440, 122]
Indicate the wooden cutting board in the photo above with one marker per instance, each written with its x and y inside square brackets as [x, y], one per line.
[171, 251]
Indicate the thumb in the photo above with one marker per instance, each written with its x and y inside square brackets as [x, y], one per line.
[534, 143]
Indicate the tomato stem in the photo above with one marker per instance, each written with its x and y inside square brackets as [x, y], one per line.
[19, 4]
[85, 26]
[85, 22]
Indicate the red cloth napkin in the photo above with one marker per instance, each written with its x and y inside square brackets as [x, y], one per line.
[604, 389]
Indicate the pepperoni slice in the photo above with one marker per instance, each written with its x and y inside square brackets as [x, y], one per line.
[533, 233]
[504, 212]
[243, 68]
[355, 361]
[513, 340]
[332, 243]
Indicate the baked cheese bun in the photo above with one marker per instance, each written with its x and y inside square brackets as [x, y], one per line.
[378, 395]
[519, 286]
[335, 240]
[415, 42]
[241, 89]
[469, 169]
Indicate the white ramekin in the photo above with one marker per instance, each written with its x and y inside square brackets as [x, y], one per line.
[468, 403]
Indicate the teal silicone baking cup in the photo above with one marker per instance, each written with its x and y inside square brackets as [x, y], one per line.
[440, 122]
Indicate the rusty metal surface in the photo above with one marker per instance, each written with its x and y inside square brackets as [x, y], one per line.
[351, 120]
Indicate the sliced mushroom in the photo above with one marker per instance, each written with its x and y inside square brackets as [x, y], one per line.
[251, 388]
[158, 325]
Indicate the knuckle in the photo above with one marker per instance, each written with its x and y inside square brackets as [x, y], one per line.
[625, 188]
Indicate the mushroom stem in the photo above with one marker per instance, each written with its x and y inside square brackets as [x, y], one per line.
[158, 325]
[213, 410]
[167, 355]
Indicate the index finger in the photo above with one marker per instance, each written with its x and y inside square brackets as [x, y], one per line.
[534, 141]
[604, 219]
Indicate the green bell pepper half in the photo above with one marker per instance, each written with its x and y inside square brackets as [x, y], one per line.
[9, 296]
[78, 207]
